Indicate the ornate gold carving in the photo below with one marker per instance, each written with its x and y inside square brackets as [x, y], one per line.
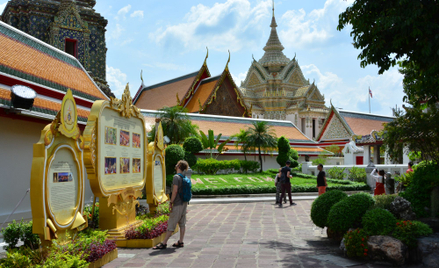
[253, 80]
[125, 105]
[68, 117]
[296, 79]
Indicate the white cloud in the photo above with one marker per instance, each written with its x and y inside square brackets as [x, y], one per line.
[126, 42]
[117, 32]
[230, 25]
[166, 66]
[239, 78]
[2, 7]
[122, 12]
[313, 29]
[387, 90]
[117, 80]
[137, 13]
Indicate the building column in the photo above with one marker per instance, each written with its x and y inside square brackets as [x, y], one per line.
[366, 154]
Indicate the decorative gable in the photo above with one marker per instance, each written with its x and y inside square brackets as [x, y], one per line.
[253, 81]
[297, 79]
[336, 130]
[316, 96]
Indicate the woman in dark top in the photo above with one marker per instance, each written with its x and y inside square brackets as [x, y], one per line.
[321, 180]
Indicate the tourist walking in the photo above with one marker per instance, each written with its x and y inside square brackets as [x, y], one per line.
[379, 182]
[286, 183]
[410, 167]
[178, 208]
[321, 180]
[278, 187]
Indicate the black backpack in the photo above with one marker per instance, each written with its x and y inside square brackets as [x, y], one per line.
[283, 177]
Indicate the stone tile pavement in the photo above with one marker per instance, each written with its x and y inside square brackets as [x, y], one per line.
[245, 235]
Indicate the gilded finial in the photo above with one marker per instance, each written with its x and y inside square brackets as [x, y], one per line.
[200, 107]
[273, 8]
[178, 99]
[207, 55]
[141, 76]
[227, 65]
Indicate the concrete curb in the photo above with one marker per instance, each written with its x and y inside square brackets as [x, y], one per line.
[271, 195]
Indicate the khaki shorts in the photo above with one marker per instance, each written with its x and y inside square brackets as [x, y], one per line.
[178, 215]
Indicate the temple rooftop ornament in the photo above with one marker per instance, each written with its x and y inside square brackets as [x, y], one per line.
[274, 59]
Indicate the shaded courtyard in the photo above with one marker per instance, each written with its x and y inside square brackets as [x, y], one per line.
[245, 235]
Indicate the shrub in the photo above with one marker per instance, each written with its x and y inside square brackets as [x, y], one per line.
[190, 158]
[409, 231]
[348, 212]
[378, 221]
[174, 153]
[357, 174]
[16, 231]
[418, 192]
[383, 201]
[87, 213]
[293, 154]
[273, 171]
[336, 173]
[356, 243]
[320, 160]
[16, 258]
[192, 145]
[286, 153]
[249, 166]
[322, 205]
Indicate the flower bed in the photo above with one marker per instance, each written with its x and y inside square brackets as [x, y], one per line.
[151, 232]
[89, 248]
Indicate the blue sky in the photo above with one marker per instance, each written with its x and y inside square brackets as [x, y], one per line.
[167, 39]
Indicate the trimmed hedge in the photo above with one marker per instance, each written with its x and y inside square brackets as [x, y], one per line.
[378, 221]
[211, 166]
[348, 212]
[322, 205]
[271, 189]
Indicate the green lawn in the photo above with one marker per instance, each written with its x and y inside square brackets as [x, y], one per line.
[262, 183]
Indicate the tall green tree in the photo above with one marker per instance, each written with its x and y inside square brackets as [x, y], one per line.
[399, 30]
[242, 140]
[176, 124]
[262, 137]
[403, 32]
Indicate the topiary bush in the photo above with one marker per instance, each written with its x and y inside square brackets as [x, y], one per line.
[192, 145]
[348, 212]
[378, 221]
[322, 205]
[190, 158]
[286, 153]
[174, 153]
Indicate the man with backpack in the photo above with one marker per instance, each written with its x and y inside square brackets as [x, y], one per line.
[181, 195]
[286, 184]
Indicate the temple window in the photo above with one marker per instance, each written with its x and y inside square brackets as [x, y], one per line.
[71, 47]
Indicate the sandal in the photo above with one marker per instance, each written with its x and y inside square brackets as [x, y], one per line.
[178, 244]
[160, 246]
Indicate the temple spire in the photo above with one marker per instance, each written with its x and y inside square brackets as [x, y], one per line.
[273, 57]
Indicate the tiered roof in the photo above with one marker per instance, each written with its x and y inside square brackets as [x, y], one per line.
[27, 61]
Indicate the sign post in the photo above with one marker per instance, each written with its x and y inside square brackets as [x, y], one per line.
[57, 177]
[115, 159]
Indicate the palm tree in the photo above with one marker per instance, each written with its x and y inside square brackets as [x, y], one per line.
[242, 138]
[261, 136]
[177, 124]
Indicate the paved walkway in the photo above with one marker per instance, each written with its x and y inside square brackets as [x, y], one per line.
[244, 235]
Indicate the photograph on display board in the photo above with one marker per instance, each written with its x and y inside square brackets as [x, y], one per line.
[124, 138]
[110, 135]
[136, 165]
[110, 165]
[136, 140]
[55, 177]
[64, 177]
[124, 165]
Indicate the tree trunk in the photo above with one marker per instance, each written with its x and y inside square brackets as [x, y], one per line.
[260, 157]
[245, 157]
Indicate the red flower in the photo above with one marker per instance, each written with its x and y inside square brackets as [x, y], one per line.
[397, 223]
[365, 249]
[362, 239]
[365, 254]
[362, 245]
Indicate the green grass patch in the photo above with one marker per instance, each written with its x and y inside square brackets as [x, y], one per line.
[257, 183]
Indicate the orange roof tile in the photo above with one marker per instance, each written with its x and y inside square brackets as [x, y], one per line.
[21, 57]
[164, 94]
[202, 93]
[361, 126]
[43, 104]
